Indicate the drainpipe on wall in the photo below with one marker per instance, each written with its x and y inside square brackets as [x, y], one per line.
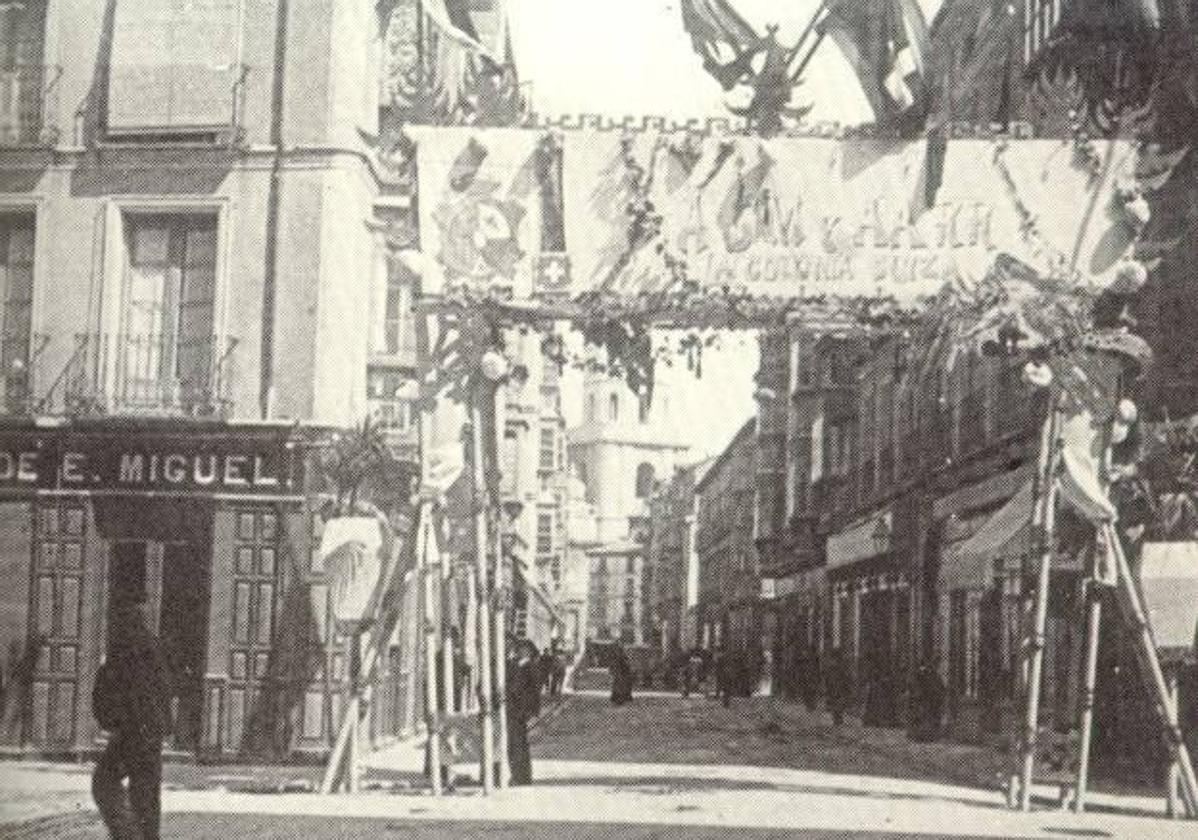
[266, 387]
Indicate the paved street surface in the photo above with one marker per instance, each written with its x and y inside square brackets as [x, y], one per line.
[660, 767]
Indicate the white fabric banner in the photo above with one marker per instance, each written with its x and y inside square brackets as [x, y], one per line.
[480, 208]
[809, 216]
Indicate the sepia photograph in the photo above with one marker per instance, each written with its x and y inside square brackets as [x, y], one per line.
[598, 419]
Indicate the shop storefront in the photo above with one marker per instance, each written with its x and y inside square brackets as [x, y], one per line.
[870, 597]
[209, 522]
[983, 540]
[797, 603]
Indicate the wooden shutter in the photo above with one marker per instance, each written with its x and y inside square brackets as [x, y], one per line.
[173, 65]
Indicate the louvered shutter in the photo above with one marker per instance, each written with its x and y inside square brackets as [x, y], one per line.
[173, 65]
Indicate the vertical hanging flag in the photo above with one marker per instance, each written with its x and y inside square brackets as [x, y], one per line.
[744, 193]
[480, 217]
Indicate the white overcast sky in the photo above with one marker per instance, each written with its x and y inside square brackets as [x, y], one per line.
[632, 57]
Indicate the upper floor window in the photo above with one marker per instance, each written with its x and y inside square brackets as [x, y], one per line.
[544, 533]
[391, 397]
[394, 332]
[643, 407]
[644, 481]
[613, 407]
[548, 450]
[591, 407]
[22, 75]
[173, 67]
[16, 306]
[165, 347]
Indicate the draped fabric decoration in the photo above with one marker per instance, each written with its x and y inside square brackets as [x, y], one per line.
[450, 61]
[480, 208]
[791, 217]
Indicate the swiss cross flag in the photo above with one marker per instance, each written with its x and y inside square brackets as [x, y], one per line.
[552, 273]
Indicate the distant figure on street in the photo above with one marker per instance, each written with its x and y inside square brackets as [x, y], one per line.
[131, 701]
[837, 685]
[927, 701]
[692, 671]
[523, 704]
[621, 677]
[557, 669]
[727, 675]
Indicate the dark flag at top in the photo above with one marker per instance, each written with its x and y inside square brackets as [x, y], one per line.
[886, 42]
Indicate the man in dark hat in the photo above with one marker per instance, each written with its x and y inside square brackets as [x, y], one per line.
[523, 704]
[131, 700]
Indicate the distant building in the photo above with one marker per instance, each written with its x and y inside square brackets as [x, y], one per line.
[534, 488]
[728, 613]
[572, 596]
[672, 554]
[622, 448]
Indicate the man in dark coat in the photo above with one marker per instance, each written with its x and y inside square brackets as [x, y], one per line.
[838, 685]
[523, 704]
[621, 677]
[132, 701]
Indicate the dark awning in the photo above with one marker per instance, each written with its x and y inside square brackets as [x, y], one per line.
[1006, 534]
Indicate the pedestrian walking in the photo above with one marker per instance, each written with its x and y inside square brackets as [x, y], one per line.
[621, 677]
[130, 700]
[692, 671]
[927, 700]
[837, 685]
[726, 676]
[557, 673]
[523, 704]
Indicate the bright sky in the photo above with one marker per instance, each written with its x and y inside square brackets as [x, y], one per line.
[619, 57]
[632, 57]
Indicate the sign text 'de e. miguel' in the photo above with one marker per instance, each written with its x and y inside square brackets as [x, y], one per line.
[148, 463]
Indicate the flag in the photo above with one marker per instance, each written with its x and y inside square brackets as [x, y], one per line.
[932, 175]
[724, 40]
[466, 165]
[743, 194]
[1081, 455]
[452, 18]
[887, 43]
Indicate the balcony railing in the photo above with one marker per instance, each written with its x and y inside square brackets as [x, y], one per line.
[122, 373]
[22, 375]
[26, 97]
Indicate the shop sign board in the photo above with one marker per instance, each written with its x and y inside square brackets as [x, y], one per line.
[113, 461]
[865, 538]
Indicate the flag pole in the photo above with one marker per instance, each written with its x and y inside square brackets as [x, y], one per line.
[1086, 726]
[1093, 635]
[481, 508]
[1044, 516]
[1153, 674]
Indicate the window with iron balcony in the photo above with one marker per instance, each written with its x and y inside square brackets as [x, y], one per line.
[16, 311]
[164, 357]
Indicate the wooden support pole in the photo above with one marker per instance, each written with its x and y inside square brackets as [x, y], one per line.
[1086, 726]
[470, 643]
[1154, 676]
[339, 757]
[1172, 801]
[448, 666]
[498, 618]
[1045, 517]
[432, 717]
[481, 510]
